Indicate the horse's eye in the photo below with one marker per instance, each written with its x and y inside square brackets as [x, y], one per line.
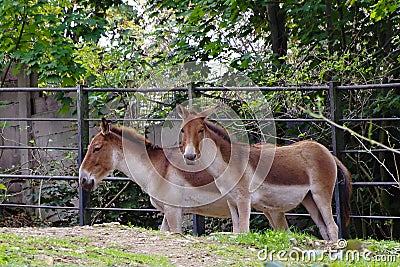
[96, 149]
[201, 130]
[182, 131]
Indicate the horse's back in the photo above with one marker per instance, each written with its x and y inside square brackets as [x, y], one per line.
[300, 163]
[296, 169]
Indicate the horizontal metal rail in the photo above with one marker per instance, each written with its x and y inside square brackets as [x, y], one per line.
[203, 88]
[40, 147]
[369, 119]
[134, 90]
[259, 120]
[351, 216]
[368, 86]
[273, 88]
[75, 148]
[55, 177]
[221, 119]
[124, 209]
[375, 183]
[121, 179]
[15, 205]
[34, 177]
[369, 150]
[39, 119]
[37, 89]
[375, 217]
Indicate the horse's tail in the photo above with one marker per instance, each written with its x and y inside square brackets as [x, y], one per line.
[345, 194]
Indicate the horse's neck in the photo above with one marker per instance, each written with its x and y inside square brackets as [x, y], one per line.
[123, 167]
[133, 156]
[229, 164]
[224, 147]
[217, 163]
[121, 164]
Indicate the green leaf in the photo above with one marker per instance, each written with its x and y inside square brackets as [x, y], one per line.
[370, 130]
[3, 187]
[4, 103]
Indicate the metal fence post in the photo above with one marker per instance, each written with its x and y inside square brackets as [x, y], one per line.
[83, 141]
[336, 114]
[199, 225]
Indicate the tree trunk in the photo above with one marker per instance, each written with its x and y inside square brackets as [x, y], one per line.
[329, 25]
[342, 28]
[276, 19]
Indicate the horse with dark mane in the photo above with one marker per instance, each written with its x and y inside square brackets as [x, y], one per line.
[304, 172]
[124, 149]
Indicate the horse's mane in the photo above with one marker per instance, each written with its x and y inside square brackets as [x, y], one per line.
[221, 132]
[131, 135]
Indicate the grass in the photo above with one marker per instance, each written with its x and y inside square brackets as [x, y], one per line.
[269, 248]
[295, 249]
[36, 251]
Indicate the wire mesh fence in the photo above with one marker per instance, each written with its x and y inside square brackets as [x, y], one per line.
[150, 106]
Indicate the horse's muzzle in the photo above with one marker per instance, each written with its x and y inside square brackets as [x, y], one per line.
[85, 180]
[189, 155]
[86, 183]
[189, 161]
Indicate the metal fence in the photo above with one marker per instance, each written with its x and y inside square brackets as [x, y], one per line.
[333, 90]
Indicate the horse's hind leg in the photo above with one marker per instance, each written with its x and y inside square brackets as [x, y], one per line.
[279, 221]
[309, 203]
[322, 182]
[234, 216]
[268, 215]
[323, 201]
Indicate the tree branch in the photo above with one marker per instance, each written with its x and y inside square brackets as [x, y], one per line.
[16, 47]
[110, 202]
[344, 128]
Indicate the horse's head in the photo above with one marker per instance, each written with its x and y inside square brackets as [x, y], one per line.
[193, 131]
[101, 158]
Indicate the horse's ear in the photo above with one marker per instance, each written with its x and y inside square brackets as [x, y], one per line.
[182, 111]
[208, 112]
[105, 126]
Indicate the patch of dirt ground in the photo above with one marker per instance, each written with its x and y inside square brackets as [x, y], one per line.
[182, 250]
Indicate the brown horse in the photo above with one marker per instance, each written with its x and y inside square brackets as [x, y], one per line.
[122, 148]
[304, 172]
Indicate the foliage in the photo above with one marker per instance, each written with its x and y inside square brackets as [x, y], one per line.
[82, 41]
[233, 32]
[3, 191]
[42, 36]
[291, 245]
[113, 44]
[132, 197]
[238, 33]
[122, 40]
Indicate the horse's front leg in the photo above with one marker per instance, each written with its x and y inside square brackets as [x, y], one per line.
[173, 216]
[159, 206]
[244, 209]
